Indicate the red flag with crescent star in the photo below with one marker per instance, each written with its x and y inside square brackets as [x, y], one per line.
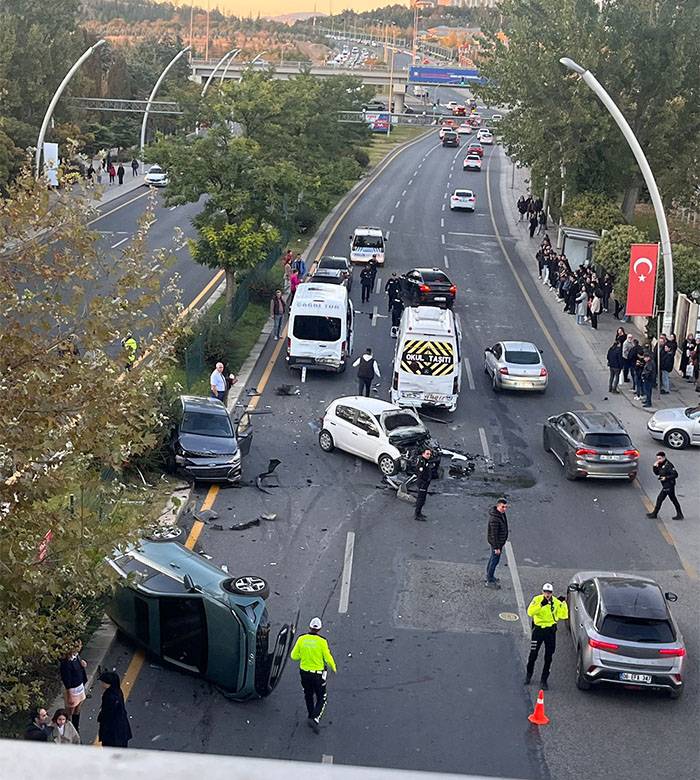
[641, 291]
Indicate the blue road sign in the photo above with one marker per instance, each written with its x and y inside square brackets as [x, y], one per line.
[457, 77]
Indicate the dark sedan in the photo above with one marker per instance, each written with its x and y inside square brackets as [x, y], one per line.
[427, 287]
[204, 444]
[334, 263]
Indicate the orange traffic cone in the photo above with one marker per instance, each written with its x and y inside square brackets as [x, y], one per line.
[538, 717]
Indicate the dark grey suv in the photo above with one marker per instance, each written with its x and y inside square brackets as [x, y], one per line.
[591, 444]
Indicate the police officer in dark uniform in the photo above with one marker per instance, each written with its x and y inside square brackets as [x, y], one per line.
[366, 282]
[667, 476]
[372, 265]
[396, 312]
[392, 288]
[424, 473]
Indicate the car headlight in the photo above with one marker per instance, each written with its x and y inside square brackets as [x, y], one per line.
[180, 460]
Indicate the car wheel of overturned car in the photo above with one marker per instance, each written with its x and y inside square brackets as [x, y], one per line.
[168, 533]
[248, 585]
[387, 465]
[676, 440]
[325, 441]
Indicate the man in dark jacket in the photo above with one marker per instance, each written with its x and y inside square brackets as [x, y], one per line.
[367, 369]
[667, 476]
[497, 535]
[615, 365]
[366, 283]
[667, 359]
[392, 288]
[39, 730]
[424, 473]
[648, 376]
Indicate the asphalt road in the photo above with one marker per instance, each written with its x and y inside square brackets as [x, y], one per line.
[429, 671]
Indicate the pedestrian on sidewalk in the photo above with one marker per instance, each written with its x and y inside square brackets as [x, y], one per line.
[98, 175]
[112, 173]
[39, 729]
[299, 265]
[667, 475]
[686, 351]
[542, 222]
[366, 283]
[533, 224]
[581, 306]
[392, 288]
[134, 167]
[606, 287]
[90, 173]
[497, 536]
[672, 341]
[648, 378]
[546, 610]
[522, 208]
[217, 383]
[621, 335]
[628, 356]
[114, 729]
[595, 308]
[667, 356]
[294, 281]
[615, 365]
[637, 367]
[120, 173]
[63, 732]
[424, 475]
[278, 309]
[315, 658]
[74, 678]
[367, 369]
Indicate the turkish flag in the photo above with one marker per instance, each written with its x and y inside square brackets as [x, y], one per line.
[641, 290]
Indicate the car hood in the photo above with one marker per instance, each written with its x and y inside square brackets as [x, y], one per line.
[197, 445]
[670, 415]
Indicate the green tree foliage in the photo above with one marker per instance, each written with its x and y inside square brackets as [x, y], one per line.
[70, 421]
[686, 271]
[644, 55]
[612, 253]
[593, 211]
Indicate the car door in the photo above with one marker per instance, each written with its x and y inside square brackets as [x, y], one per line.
[280, 654]
[492, 357]
[340, 424]
[560, 434]
[694, 428]
[367, 437]
[244, 433]
[585, 608]
[409, 284]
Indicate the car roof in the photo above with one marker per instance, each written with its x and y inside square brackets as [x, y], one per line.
[370, 405]
[521, 346]
[634, 597]
[201, 404]
[429, 320]
[368, 231]
[337, 258]
[599, 422]
[321, 292]
[332, 272]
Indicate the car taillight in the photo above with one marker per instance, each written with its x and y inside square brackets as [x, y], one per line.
[453, 290]
[543, 371]
[395, 383]
[584, 451]
[677, 651]
[342, 349]
[424, 288]
[600, 645]
[289, 345]
[503, 370]
[631, 453]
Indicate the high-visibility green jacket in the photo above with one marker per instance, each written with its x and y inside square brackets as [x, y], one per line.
[312, 652]
[545, 613]
[131, 347]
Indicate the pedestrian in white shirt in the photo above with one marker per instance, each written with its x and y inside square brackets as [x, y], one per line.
[217, 382]
[367, 369]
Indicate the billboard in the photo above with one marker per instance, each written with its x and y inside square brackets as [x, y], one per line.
[432, 74]
[378, 121]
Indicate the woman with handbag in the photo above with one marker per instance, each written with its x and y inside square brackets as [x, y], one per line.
[74, 679]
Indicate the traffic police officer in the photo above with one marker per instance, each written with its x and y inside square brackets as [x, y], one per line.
[424, 473]
[130, 346]
[313, 654]
[545, 610]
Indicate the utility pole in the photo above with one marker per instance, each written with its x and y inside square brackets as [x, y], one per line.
[415, 33]
[206, 45]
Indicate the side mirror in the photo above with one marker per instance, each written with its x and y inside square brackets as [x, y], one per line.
[671, 596]
[573, 588]
[188, 582]
[540, 351]
[350, 237]
[386, 238]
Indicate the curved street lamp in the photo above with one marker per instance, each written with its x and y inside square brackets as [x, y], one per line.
[228, 65]
[55, 99]
[590, 80]
[154, 92]
[232, 54]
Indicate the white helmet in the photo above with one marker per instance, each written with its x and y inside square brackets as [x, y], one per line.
[316, 624]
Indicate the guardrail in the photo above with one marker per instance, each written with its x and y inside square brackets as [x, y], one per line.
[417, 120]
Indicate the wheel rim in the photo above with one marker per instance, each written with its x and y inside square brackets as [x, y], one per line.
[167, 533]
[249, 584]
[676, 440]
[326, 442]
[386, 466]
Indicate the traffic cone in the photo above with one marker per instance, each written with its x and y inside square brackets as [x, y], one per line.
[538, 717]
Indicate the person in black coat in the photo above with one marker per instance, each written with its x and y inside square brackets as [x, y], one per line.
[497, 536]
[366, 283]
[615, 364]
[115, 730]
[667, 475]
[424, 473]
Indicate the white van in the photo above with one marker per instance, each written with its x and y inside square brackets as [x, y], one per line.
[320, 329]
[365, 242]
[427, 359]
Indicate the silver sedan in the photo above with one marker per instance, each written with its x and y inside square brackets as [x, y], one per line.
[515, 365]
[676, 428]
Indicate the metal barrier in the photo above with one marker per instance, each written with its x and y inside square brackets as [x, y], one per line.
[417, 120]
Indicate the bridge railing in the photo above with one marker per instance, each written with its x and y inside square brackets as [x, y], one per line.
[417, 120]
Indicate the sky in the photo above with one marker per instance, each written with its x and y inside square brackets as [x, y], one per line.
[274, 7]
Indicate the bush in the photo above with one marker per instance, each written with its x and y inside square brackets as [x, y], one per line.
[262, 286]
[361, 156]
[592, 211]
[612, 253]
[686, 272]
[305, 218]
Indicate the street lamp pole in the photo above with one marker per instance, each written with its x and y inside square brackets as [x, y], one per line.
[591, 81]
[231, 54]
[154, 92]
[54, 100]
[228, 65]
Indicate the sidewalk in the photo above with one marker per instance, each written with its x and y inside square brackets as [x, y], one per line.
[591, 347]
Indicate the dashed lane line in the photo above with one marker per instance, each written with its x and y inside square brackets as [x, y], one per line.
[398, 203]
[410, 181]
[375, 312]
[391, 219]
[119, 243]
[442, 222]
[377, 285]
[442, 238]
[470, 375]
[117, 208]
[445, 261]
[484, 443]
[443, 206]
[347, 573]
[403, 193]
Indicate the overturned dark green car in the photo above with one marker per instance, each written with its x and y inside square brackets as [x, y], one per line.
[198, 618]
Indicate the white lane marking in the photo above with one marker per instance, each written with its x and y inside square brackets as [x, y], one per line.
[378, 284]
[326, 759]
[517, 586]
[442, 238]
[446, 261]
[398, 203]
[420, 165]
[415, 173]
[303, 374]
[172, 208]
[484, 443]
[470, 376]
[480, 235]
[442, 220]
[403, 193]
[391, 219]
[443, 206]
[375, 311]
[410, 182]
[116, 208]
[449, 176]
[119, 243]
[388, 234]
[468, 249]
[347, 572]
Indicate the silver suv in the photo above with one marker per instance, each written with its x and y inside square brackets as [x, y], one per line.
[591, 444]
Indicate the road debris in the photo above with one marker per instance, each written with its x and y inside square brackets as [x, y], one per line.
[287, 390]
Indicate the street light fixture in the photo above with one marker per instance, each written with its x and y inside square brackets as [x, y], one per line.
[590, 80]
[232, 54]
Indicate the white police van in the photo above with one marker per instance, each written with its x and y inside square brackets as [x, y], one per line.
[366, 242]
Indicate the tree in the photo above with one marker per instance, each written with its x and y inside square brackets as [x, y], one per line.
[686, 272]
[71, 419]
[593, 211]
[612, 253]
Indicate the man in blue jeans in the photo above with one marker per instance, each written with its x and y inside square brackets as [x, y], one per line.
[497, 536]
[648, 378]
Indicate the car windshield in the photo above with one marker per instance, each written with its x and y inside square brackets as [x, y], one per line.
[474, 158]
[155, 169]
[522, 357]
[394, 420]
[692, 411]
[368, 242]
[206, 424]
[607, 440]
[435, 276]
[463, 193]
[311, 328]
[337, 263]
[637, 629]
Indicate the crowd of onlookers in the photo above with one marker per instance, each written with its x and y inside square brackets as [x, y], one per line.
[532, 211]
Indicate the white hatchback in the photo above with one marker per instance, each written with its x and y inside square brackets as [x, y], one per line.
[463, 199]
[156, 177]
[372, 429]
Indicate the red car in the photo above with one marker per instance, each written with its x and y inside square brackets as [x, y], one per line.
[459, 111]
[475, 149]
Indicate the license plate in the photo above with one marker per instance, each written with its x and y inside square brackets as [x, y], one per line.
[612, 457]
[440, 298]
[434, 398]
[637, 678]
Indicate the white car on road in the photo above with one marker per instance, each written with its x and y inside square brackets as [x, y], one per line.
[156, 177]
[372, 429]
[676, 428]
[464, 200]
[452, 104]
[486, 139]
[482, 131]
[465, 129]
[472, 162]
